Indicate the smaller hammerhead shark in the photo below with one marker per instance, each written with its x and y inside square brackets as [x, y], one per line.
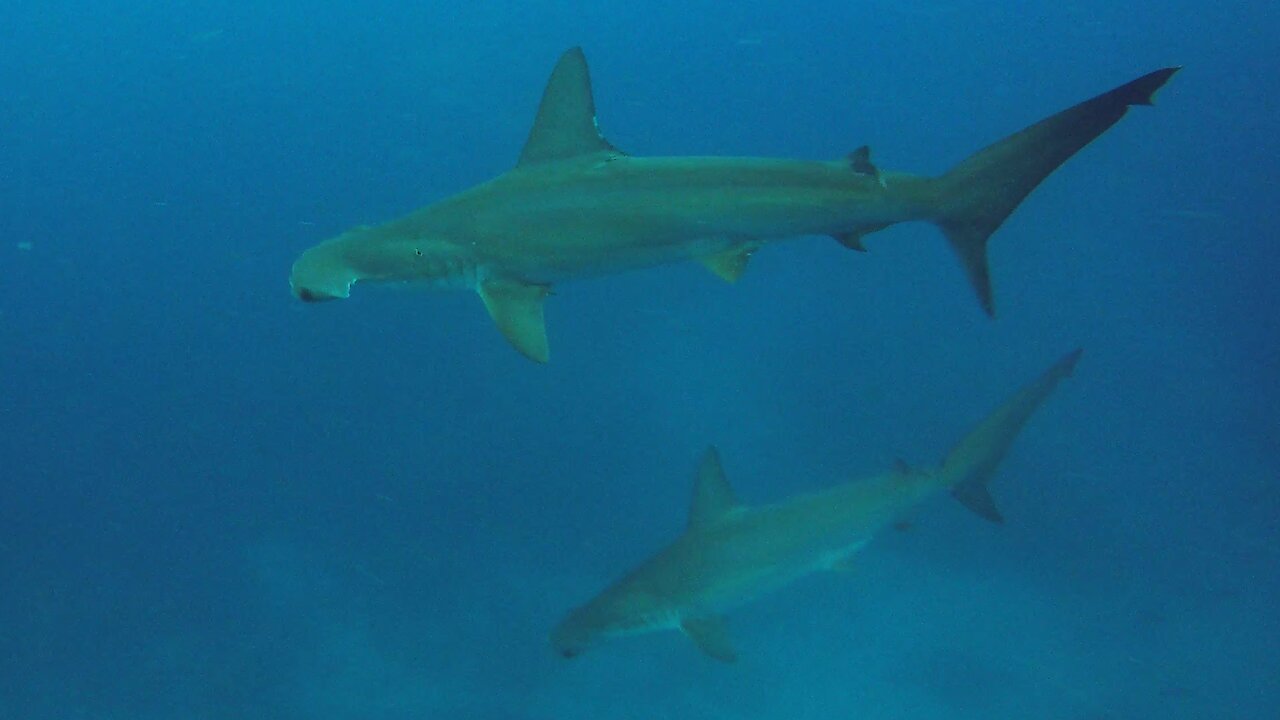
[731, 553]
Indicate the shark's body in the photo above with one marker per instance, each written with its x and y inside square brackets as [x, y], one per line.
[730, 554]
[575, 206]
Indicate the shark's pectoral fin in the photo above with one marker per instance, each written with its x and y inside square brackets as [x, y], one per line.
[711, 635]
[976, 497]
[516, 308]
[730, 264]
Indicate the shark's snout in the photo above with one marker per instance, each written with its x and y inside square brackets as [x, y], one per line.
[572, 637]
[322, 274]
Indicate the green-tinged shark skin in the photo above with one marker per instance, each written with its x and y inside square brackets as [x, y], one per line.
[575, 206]
[730, 553]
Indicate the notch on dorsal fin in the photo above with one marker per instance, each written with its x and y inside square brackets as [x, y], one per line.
[713, 498]
[566, 123]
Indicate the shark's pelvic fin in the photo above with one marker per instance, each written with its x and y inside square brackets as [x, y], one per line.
[730, 264]
[971, 463]
[711, 634]
[976, 196]
[516, 308]
[566, 123]
[713, 497]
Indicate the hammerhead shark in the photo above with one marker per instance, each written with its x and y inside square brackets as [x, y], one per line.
[730, 553]
[576, 206]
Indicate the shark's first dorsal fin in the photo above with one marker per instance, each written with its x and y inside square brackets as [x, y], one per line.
[713, 498]
[566, 123]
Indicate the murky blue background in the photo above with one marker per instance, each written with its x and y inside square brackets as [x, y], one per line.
[218, 502]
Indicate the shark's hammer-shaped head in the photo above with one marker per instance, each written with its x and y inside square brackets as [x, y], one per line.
[626, 608]
[574, 634]
[655, 595]
[328, 270]
[323, 272]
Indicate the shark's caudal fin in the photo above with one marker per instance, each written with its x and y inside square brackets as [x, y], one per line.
[971, 463]
[976, 196]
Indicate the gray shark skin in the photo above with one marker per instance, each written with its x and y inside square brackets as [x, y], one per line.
[730, 553]
[575, 206]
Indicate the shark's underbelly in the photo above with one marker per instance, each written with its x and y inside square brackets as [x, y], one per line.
[736, 584]
[547, 263]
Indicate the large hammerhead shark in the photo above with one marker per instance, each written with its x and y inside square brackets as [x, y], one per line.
[730, 553]
[576, 206]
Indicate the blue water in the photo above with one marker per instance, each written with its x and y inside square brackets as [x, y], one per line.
[221, 503]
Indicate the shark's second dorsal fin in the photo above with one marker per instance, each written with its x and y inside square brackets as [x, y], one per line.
[566, 123]
[713, 498]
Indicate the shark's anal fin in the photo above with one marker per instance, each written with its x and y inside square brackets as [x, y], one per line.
[853, 238]
[566, 123]
[713, 498]
[516, 308]
[730, 264]
[711, 635]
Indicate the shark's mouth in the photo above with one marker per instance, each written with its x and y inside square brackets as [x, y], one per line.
[307, 295]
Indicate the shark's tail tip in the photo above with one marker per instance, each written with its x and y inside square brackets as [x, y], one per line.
[1142, 91]
[1067, 365]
